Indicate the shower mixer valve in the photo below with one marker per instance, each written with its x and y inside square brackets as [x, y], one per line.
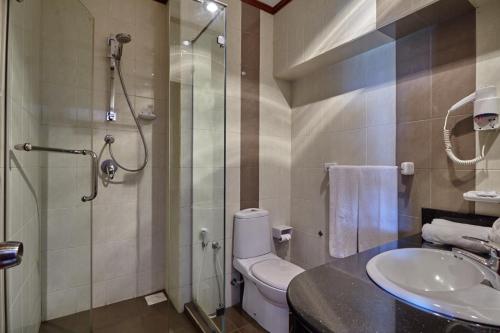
[109, 168]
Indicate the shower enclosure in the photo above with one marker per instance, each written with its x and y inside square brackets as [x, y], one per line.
[198, 78]
[208, 166]
[87, 244]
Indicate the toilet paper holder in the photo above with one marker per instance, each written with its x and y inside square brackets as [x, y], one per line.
[282, 233]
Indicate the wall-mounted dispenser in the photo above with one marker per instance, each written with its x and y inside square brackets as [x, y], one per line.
[486, 117]
[282, 233]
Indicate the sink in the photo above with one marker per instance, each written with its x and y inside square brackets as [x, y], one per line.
[440, 281]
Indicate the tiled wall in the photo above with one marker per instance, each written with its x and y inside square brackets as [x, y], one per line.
[435, 69]
[258, 128]
[24, 173]
[488, 73]
[345, 114]
[381, 107]
[233, 139]
[178, 281]
[65, 86]
[129, 214]
[250, 106]
[274, 136]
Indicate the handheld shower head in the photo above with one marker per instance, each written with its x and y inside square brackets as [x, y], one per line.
[116, 44]
[123, 38]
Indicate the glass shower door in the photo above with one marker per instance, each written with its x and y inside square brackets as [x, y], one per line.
[48, 104]
[208, 178]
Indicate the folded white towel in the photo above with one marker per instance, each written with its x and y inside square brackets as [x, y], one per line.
[444, 234]
[494, 234]
[378, 206]
[487, 194]
[467, 229]
[343, 240]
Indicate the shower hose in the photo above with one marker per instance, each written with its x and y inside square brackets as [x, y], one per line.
[217, 268]
[138, 125]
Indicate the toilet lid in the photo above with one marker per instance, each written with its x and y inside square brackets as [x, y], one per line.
[276, 272]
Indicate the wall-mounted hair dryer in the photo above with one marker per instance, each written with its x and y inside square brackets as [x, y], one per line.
[486, 117]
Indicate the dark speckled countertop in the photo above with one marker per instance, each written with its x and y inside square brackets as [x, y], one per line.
[340, 297]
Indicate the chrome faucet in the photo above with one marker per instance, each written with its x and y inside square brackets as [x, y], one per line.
[493, 262]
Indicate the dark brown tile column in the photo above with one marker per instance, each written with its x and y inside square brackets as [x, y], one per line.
[250, 118]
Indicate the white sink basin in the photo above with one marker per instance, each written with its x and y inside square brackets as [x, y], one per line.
[440, 281]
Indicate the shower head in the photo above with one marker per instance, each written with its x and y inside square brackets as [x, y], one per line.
[123, 38]
[115, 43]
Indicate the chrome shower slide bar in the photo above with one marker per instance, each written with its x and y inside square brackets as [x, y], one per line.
[29, 147]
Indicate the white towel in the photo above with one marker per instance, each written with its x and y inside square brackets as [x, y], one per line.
[444, 234]
[494, 234]
[465, 229]
[378, 206]
[343, 238]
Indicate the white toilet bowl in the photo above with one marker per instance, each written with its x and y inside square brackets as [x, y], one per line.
[266, 276]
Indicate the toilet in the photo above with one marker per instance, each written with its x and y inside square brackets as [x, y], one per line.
[266, 276]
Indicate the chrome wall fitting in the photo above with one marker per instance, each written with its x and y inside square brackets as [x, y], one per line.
[109, 139]
[109, 168]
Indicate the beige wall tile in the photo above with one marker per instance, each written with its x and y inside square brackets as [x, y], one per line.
[408, 226]
[488, 65]
[444, 196]
[463, 140]
[381, 145]
[414, 144]
[414, 193]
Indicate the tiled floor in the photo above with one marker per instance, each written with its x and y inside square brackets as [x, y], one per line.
[132, 316]
[238, 321]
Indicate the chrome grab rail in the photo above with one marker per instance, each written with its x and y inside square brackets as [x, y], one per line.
[29, 147]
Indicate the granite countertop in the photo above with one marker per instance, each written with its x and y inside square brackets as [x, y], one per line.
[340, 297]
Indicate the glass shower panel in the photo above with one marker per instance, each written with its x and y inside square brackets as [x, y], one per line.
[48, 98]
[208, 173]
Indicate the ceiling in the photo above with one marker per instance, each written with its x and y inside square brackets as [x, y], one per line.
[270, 6]
[271, 3]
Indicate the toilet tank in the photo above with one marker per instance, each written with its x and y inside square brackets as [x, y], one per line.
[252, 235]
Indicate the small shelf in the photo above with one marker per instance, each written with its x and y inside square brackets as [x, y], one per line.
[473, 196]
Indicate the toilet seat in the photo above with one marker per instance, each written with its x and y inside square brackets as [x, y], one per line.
[267, 280]
[276, 273]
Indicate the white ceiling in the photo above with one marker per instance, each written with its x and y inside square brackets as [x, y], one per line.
[271, 3]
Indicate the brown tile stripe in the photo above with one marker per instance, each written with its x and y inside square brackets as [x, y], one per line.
[250, 69]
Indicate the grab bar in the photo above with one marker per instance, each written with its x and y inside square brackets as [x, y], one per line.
[29, 147]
